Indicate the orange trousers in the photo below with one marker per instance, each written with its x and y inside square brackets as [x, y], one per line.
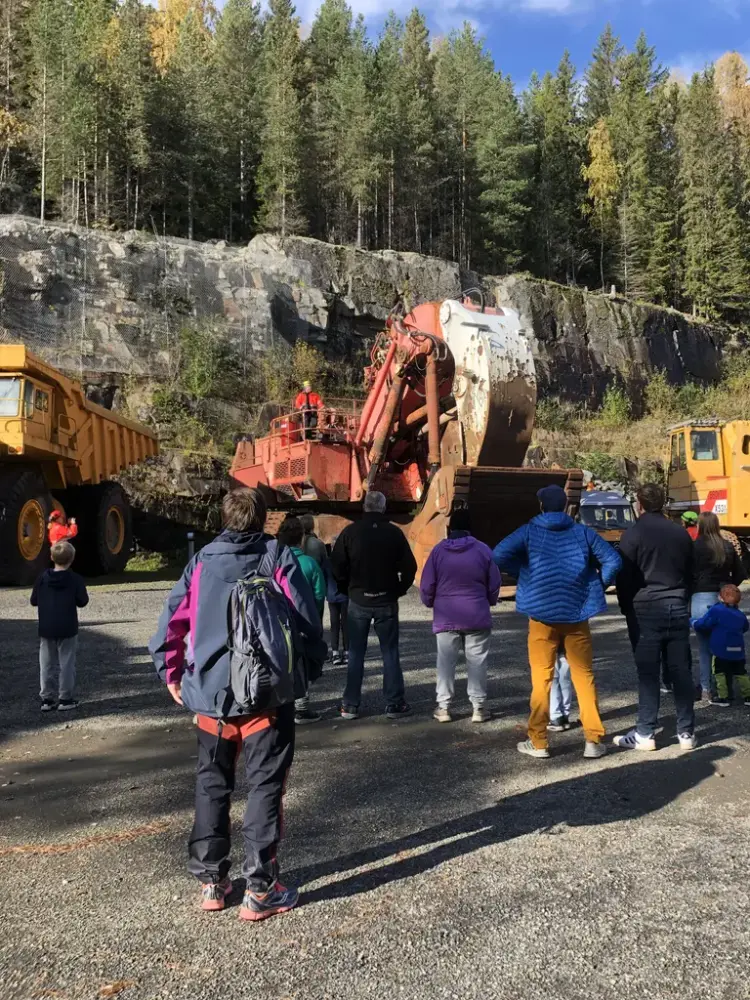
[544, 642]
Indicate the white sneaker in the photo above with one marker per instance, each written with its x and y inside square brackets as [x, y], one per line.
[442, 715]
[688, 741]
[528, 748]
[481, 714]
[632, 741]
[593, 751]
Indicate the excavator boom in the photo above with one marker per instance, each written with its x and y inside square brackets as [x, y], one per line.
[448, 418]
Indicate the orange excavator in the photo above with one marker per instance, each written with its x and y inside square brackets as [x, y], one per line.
[447, 420]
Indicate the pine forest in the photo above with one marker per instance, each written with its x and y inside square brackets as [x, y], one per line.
[196, 122]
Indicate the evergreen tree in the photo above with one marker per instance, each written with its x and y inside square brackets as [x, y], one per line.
[664, 275]
[635, 130]
[417, 167]
[237, 56]
[464, 78]
[601, 76]
[504, 166]
[357, 163]
[329, 48]
[189, 153]
[280, 170]
[388, 120]
[558, 246]
[50, 40]
[15, 170]
[716, 268]
[131, 82]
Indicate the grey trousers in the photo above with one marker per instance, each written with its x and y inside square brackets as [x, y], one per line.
[57, 656]
[476, 648]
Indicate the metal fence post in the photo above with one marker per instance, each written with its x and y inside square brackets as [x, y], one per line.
[191, 544]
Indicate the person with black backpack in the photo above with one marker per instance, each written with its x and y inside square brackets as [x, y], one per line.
[248, 613]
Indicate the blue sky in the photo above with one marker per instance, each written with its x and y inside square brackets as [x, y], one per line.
[527, 35]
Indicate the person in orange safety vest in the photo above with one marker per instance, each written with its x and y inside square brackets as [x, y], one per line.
[60, 529]
[309, 403]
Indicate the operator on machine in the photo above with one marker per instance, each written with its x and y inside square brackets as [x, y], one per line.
[309, 403]
[60, 529]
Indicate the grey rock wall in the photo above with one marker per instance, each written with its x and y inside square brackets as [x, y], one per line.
[112, 304]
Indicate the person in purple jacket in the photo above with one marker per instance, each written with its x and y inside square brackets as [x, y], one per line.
[460, 582]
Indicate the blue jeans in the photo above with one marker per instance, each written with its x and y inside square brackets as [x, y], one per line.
[664, 631]
[561, 695]
[385, 620]
[698, 607]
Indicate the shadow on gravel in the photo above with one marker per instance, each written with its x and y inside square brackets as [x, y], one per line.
[597, 798]
[113, 677]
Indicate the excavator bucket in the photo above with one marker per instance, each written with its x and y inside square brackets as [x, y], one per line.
[499, 500]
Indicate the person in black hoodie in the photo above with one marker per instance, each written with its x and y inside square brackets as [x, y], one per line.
[654, 590]
[373, 564]
[58, 594]
[715, 563]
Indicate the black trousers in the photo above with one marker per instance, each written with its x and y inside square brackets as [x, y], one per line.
[634, 632]
[339, 611]
[268, 756]
[662, 633]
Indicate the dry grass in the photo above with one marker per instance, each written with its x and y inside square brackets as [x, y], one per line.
[643, 440]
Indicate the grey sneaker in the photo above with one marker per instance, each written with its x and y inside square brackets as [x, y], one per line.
[592, 751]
[481, 714]
[442, 715]
[528, 748]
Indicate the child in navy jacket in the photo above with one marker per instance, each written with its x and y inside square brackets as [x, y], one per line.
[727, 626]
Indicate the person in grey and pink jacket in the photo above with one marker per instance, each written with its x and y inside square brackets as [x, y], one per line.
[460, 582]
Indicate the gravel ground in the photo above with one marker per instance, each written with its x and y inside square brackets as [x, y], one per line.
[436, 861]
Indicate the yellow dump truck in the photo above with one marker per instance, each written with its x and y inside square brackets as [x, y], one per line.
[60, 450]
[709, 470]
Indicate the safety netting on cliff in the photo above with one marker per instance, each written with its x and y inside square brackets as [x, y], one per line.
[91, 302]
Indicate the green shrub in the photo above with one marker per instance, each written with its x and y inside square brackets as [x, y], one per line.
[660, 395]
[554, 415]
[285, 369]
[603, 467]
[690, 400]
[615, 409]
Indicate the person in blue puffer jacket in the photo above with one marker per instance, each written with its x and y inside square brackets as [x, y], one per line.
[563, 570]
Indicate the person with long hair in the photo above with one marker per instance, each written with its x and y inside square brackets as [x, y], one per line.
[715, 563]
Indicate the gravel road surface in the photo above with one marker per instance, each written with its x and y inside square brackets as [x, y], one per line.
[436, 862]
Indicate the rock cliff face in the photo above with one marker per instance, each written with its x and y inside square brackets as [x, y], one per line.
[582, 341]
[111, 304]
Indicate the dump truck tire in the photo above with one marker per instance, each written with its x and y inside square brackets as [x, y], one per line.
[105, 529]
[25, 506]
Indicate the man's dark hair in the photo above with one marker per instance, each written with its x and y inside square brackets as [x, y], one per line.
[291, 533]
[460, 519]
[651, 497]
[244, 510]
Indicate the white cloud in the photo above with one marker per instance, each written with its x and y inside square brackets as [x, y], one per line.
[458, 10]
[687, 64]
